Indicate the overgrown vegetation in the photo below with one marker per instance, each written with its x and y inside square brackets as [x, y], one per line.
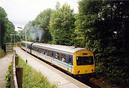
[8, 77]
[32, 78]
[100, 26]
[6, 28]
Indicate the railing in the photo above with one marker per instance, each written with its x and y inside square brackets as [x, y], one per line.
[16, 74]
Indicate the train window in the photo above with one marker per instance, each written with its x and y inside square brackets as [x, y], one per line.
[52, 54]
[40, 50]
[36, 49]
[43, 51]
[70, 60]
[85, 60]
[63, 57]
[57, 56]
[48, 53]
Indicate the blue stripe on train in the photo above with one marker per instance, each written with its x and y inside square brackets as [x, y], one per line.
[55, 60]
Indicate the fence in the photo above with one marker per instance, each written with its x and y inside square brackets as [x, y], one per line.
[9, 47]
[16, 73]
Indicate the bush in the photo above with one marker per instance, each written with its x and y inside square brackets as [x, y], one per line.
[8, 77]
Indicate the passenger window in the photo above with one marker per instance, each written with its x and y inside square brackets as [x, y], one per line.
[44, 52]
[63, 57]
[52, 54]
[48, 53]
[40, 50]
[36, 49]
[70, 60]
[57, 56]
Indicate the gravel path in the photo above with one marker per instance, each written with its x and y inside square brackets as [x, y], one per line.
[4, 63]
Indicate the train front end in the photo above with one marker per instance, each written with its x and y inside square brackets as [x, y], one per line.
[83, 63]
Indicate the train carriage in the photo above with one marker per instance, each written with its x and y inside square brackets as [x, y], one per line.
[26, 45]
[77, 61]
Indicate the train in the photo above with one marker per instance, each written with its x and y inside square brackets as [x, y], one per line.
[76, 61]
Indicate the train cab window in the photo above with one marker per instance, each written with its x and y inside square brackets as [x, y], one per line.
[63, 57]
[70, 60]
[57, 56]
[85, 60]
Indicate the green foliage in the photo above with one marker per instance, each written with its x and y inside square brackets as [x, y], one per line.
[43, 19]
[6, 28]
[42, 22]
[101, 26]
[32, 78]
[8, 77]
[62, 25]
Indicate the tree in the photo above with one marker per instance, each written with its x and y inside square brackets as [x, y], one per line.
[2, 19]
[102, 28]
[6, 27]
[62, 25]
[42, 21]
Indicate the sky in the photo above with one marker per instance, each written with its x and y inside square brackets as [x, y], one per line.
[20, 12]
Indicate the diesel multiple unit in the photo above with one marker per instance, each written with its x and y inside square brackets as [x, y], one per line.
[77, 61]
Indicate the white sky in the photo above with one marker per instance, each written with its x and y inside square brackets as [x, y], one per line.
[22, 11]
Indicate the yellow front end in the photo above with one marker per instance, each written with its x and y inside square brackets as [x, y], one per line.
[83, 68]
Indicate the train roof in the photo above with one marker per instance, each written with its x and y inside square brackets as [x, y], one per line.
[62, 48]
[27, 42]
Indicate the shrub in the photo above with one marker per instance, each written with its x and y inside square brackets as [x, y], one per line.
[8, 77]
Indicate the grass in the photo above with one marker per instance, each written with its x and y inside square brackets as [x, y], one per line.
[32, 78]
[8, 77]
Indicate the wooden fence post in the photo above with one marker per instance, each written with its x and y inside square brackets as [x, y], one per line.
[16, 60]
[19, 75]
